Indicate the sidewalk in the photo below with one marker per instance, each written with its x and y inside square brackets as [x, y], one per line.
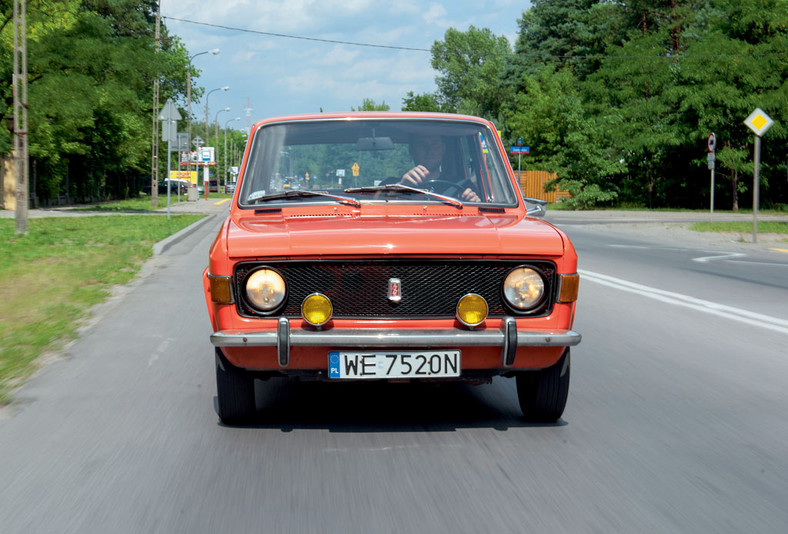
[212, 206]
[673, 226]
[657, 216]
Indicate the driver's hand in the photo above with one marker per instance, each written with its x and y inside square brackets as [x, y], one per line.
[469, 195]
[415, 176]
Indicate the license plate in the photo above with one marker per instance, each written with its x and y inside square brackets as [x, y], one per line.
[409, 364]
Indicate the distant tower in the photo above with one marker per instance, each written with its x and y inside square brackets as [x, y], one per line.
[248, 110]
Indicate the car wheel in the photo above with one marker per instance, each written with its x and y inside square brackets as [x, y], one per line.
[234, 391]
[543, 393]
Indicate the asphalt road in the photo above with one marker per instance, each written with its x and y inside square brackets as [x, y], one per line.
[675, 422]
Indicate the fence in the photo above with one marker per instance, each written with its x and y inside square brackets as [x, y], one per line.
[532, 184]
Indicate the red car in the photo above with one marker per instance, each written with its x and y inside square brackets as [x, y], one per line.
[406, 252]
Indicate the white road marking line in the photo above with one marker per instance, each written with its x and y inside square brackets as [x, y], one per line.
[707, 259]
[677, 299]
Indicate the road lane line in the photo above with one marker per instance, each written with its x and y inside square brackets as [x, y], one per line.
[677, 299]
[221, 202]
[649, 247]
[707, 259]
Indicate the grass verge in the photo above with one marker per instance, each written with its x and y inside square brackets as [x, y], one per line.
[52, 276]
[764, 227]
[141, 203]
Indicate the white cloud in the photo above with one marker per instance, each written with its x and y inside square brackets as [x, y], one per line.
[281, 75]
[435, 14]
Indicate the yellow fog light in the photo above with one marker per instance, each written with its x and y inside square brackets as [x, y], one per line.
[316, 309]
[221, 289]
[472, 309]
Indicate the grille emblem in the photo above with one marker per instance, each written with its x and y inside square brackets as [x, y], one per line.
[395, 290]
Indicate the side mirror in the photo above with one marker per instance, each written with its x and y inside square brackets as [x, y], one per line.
[535, 207]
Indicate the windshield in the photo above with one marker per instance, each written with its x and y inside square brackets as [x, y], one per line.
[376, 160]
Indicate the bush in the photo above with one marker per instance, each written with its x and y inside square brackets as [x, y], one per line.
[585, 196]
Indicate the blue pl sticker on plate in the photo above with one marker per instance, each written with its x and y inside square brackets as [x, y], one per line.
[333, 364]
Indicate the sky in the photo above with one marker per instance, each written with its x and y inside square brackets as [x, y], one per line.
[271, 76]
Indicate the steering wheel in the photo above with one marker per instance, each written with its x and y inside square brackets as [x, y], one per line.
[446, 187]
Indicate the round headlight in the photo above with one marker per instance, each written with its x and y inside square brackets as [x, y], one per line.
[265, 289]
[472, 309]
[523, 288]
[316, 309]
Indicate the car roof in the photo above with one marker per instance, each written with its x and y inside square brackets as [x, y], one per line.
[418, 115]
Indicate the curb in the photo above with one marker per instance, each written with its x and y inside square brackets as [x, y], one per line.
[162, 246]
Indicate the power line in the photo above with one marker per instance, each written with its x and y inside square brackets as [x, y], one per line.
[272, 34]
[537, 56]
[661, 56]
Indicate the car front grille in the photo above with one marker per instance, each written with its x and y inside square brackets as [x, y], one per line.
[359, 289]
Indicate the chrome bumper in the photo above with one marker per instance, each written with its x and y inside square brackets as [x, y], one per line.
[507, 337]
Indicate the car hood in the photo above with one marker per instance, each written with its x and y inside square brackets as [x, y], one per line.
[359, 235]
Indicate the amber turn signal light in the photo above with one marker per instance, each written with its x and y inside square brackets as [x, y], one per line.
[221, 289]
[570, 284]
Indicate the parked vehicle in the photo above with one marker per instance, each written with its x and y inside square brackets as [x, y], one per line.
[410, 255]
[174, 184]
[229, 188]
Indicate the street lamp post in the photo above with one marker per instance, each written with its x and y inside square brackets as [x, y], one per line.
[205, 180]
[216, 136]
[225, 146]
[207, 95]
[216, 142]
[214, 52]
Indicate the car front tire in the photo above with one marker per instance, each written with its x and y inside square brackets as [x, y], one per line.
[543, 393]
[234, 391]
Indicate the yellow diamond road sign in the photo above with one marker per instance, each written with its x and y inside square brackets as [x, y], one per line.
[759, 122]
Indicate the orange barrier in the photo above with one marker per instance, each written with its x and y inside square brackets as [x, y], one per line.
[532, 185]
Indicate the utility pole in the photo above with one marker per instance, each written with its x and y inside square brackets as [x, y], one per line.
[214, 52]
[20, 115]
[248, 110]
[154, 169]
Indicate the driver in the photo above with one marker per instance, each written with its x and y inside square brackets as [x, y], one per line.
[427, 153]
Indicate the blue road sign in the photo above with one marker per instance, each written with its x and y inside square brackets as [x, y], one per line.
[520, 150]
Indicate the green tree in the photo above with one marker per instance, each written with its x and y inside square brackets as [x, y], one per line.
[369, 104]
[421, 102]
[470, 66]
[694, 68]
[650, 79]
[561, 33]
[549, 113]
[91, 66]
[736, 61]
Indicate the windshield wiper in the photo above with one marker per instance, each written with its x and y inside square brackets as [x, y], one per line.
[403, 188]
[298, 193]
